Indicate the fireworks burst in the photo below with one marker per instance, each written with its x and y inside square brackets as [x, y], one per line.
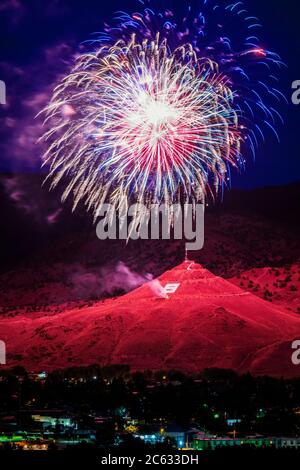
[157, 112]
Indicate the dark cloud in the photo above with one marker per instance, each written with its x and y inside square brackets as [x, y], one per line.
[13, 10]
[32, 199]
[28, 91]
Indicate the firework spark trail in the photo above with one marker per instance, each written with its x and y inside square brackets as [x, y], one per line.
[156, 122]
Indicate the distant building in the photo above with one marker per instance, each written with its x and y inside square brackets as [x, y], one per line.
[291, 442]
[233, 421]
[38, 376]
[177, 434]
[212, 443]
[154, 434]
[53, 421]
[42, 445]
[151, 434]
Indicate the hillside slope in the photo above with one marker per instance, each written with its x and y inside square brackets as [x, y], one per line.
[206, 322]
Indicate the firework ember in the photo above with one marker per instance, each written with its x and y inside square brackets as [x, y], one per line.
[157, 112]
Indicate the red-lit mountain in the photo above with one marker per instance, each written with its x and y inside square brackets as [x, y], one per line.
[205, 321]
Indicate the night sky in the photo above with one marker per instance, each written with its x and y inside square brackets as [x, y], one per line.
[38, 43]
